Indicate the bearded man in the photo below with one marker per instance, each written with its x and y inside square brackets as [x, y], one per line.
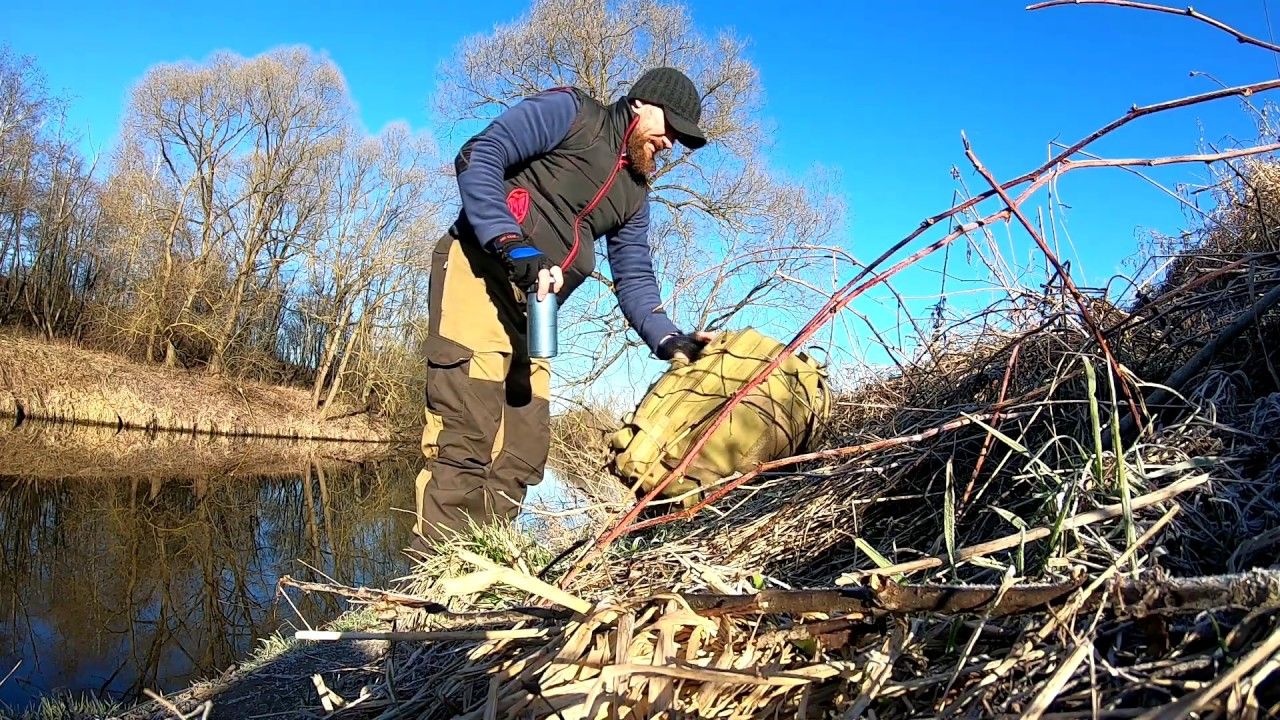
[538, 186]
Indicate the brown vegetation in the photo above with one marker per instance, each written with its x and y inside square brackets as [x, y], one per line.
[244, 227]
[1056, 573]
[60, 382]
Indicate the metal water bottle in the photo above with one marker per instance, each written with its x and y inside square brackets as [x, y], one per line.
[542, 325]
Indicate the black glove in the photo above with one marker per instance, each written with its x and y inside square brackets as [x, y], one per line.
[521, 259]
[690, 345]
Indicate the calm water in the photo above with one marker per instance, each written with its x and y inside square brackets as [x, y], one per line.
[115, 579]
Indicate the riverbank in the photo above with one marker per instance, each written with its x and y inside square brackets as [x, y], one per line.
[59, 381]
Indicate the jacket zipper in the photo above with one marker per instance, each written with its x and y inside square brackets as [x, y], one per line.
[604, 189]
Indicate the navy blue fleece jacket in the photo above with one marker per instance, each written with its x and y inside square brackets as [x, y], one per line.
[533, 127]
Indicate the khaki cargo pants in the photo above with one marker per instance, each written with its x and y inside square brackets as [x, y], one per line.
[486, 430]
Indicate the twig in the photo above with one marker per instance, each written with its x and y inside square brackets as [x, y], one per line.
[423, 636]
[1194, 702]
[1057, 681]
[202, 710]
[1067, 282]
[829, 454]
[1107, 512]
[995, 422]
[883, 596]
[1187, 12]
[373, 596]
[1084, 597]
[363, 594]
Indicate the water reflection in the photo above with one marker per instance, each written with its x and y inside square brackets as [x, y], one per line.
[130, 561]
[113, 584]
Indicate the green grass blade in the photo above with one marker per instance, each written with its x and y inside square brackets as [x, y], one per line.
[876, 557]
[1122, 474]
[1091, 378]
[1013, 444]
[1010, 518]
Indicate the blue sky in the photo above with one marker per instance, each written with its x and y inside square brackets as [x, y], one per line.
[877, 91]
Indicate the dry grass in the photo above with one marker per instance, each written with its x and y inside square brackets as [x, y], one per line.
[1101, 558]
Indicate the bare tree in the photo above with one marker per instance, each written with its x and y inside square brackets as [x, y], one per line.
[24, 107]
[47, 206]
[732, 240]
[383, 202]
[295, 111]
[183, 127]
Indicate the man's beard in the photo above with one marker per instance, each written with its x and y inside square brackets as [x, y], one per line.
[641, 161]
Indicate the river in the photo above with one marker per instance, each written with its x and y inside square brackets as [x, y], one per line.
[130, 561]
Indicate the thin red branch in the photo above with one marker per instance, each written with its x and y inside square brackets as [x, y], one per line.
[1185, 12]
[852, 289]
[1170, 160]
[1067, 282]
[995, 423]
[807, 457]
[1065, 166]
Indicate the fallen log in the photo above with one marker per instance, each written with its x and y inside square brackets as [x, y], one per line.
[1150, 594]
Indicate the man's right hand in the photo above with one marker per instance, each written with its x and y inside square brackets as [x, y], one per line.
[522, 260]
[684, 347]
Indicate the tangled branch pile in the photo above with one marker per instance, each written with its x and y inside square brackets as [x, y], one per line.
[1069, 509]
[992, 468]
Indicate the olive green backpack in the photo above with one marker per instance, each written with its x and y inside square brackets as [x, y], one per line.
[776, 418]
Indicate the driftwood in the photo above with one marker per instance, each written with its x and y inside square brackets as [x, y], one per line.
[1257, 589]
[1149, 594]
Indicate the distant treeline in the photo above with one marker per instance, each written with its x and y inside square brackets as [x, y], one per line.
[244, 225]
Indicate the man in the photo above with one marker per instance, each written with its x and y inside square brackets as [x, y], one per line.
[538, 186]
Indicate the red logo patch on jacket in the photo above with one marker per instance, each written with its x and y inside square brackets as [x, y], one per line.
[518, 204]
